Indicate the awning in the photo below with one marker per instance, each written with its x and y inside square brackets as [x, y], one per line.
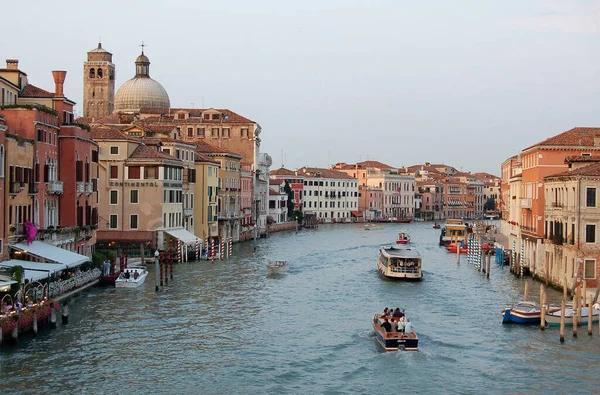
[356, 213]
[52, 253]
[5, 283]
[183, 235]
[34, 271]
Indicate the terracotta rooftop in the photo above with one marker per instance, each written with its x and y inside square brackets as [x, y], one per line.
[113, 119]
[145, 152]
[273, 192]
[205, 148]
[576, 137]
[579, 159]
[199, 157]
[592, 170]
[324, 173]
[196, 113]
[161, 140]
[483, 175]
[103, 132]
[34, 91]
[282, 171]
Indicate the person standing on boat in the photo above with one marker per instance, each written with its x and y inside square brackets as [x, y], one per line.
[408, 327]
[393, 325]
[398, 313]
[401, 324]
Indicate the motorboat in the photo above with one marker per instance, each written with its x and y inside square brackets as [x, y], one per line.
[523, 312]
[453, 247]
[395, 340]
[454, 231]
[403, 238]
[278, 267]
[371, 227]
[554, 313]
[400, 262]
[132, 277]
[436, 226]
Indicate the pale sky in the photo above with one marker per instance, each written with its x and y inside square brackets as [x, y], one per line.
[467, 83]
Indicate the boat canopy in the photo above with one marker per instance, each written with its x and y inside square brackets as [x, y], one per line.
[51, 253]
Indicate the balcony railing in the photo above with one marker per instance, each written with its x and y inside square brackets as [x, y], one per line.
[16, 187]
[89, 188]
[55, 187]
[80, 185]
[188, 212]
[33, 188]
[525, 203]
[528, 229]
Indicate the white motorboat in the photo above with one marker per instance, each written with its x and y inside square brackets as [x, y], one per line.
[132, 277]
[553, 315]
[278, 267]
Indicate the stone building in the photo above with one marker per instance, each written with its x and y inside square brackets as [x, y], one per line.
[572, 224]
[98, 83]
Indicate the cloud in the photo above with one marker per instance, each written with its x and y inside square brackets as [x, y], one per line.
[569, 16]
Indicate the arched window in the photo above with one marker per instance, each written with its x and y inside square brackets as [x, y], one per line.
[92, 73]
[99, 73]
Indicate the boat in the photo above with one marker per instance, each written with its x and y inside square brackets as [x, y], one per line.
[394, 341]
[371, 227]
[553, 315]
[132, 277]
[403, 238]
[395, 220]
[523, 312]
[452, 249]
[454, 231]
[400, 262]
[436, 226]
[109, 274]
[278, 267]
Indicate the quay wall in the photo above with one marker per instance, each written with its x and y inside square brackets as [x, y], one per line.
[282, 227]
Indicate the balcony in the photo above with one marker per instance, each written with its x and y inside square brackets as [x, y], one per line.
[16, 187]
[55, 187]
[89, 188]
[188, 212]
[526, 203]
[80, 187]
[528, 229]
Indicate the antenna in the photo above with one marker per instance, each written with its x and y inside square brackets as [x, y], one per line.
[282, 163]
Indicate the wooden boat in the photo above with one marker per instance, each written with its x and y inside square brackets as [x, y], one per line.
[403, 238]
[553, 315]
[132, 277]
[394, 341]
[109, 274]
[400, 262]
[278, 267]
[523, 312]
[454, 230]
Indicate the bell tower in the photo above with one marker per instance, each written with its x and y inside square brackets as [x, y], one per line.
[98, 83]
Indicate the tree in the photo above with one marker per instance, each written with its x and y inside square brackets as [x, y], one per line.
[490, 204]
[290, 202]
[299, 216]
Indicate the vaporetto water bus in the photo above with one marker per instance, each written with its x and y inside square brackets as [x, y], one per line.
[400, 262]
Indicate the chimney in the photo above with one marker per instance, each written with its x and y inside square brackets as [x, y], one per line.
[596, 141]
[59, 81]
[12, 64]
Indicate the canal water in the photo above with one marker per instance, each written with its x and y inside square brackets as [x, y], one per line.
[228, 328]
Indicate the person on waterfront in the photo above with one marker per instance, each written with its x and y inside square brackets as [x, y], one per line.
[386, 325]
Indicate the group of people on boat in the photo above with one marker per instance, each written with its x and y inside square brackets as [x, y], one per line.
[127, 275]
[395, 321]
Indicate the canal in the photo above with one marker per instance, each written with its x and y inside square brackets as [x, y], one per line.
[229, 328]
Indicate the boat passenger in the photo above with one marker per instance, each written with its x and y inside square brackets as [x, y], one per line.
[408, 327]
[136, 275]
[401, 324]
[127, 275]
[393, 325]
[386, 312]
[398, 313]
[386, 325]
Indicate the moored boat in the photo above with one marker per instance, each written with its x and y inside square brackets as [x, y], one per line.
[278, 267]
[523, 312]
[400, 262]
[403, 238]
[553, 315]
[436, 226]
[394, 340]
[132, 277]
[454, 231]
[453, 247]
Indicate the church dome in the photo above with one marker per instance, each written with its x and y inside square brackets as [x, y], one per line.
[141, 91]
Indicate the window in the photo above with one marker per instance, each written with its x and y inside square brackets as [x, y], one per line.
[113, 221]
[114, 172]
[133, 221]
[99, 73]
[151, 172]
[216, 116]
[590, 196]
[244, 133]
[114, 196]
[200, 132]
[134, 196]
[134, 172]
[190, 132]
[589, 269]
[92, 73]
[590, 233]
[167, 151]
[114, 150]
[215, 132]
[226, 133]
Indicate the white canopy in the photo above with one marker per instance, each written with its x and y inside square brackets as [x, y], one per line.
[52, 253]
[6, 281]
[183, 235]
[34, 270]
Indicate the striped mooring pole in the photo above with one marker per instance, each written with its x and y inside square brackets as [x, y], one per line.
[197, 249]
[222, 249]
[230, 246]
[212, 250]
[178, 251]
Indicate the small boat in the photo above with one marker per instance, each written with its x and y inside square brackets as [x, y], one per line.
[400, 262]
[452, 249]
[524, 312]
[403, 238]
[436, 226]
[394, 341]
[553, 315]
[371, 227]
[109, 274]
[132, 277]
[278, 267]
[454, 230]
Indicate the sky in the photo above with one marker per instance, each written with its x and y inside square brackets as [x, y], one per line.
[466, 83]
